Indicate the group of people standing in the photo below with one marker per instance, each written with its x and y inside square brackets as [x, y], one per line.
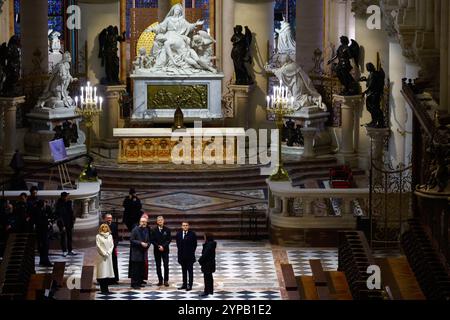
[30, 214]
[142, 237]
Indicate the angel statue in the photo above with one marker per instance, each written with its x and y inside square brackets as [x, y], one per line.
[241, 55]
[374, 93]
[285, 40]
[348, 59]
[109, 38]
[56, 93]
[9, 67]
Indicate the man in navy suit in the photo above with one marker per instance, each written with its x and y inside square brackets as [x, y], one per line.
[161, 238]
[186, 244]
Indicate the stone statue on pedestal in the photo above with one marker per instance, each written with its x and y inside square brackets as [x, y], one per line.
[109, 38]
[9, 67]
[374, 94]
[241, 55]
[55, 43]
[285, 41]
[348, 59]
[178, 48]
[56, 93]
[300, 86]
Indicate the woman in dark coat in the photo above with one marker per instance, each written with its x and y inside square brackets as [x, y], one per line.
[208, 264]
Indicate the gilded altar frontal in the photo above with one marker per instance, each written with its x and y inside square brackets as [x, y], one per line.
[170, 96]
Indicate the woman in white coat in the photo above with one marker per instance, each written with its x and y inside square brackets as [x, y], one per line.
[105, 246]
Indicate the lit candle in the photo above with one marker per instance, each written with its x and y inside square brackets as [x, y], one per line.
[76, 101]
[95, 92]
[101, 102]
[268, 101]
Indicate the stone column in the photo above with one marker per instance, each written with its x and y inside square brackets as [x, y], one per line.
[123, 45]
[258, 15]
[4, 21]
[34, 34]
[397, 108]
[308, 142]
[350, 112]
[241, 103]
[9, 108]
[377, 136]
[227, 26]
[109, 119]
[444, 56]
[309, 31]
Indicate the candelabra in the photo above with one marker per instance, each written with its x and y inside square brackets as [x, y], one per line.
[280, 105]
[88, 106]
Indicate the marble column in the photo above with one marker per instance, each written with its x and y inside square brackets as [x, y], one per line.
[123, 45]
[444, 56]
[241, 103]
[34, 35]
[310, 23]
[109, 120]
[258, 15]
[350, 114]
[227, 26]
[8, 108]
[4, 22]
[308, 142]
[377, 137]
[398, 114]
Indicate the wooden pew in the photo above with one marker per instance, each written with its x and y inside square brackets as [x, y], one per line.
[37, 283]
[318, 273]
[337, 282]
[290, 283]
[307, 288]
[86, 285]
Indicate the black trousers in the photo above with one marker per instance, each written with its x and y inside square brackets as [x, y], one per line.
[187, 268]
[115, 265]
[66, 239]
[137, 272]
[103, 284]
[43, 246]
[209, 283]
[164, 256]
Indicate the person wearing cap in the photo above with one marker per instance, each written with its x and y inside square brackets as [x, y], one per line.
[132, 210]
[65, 220]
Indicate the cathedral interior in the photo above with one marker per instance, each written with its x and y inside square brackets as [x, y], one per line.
[309, 138]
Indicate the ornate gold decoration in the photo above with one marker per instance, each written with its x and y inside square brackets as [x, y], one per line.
[146, 40]
[171, 96]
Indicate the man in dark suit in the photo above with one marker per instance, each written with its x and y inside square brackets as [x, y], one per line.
[139, 244]
[108, 219]
[186, 244]
[65, 220]
[161, 238]
[208, 263]
[132, 210]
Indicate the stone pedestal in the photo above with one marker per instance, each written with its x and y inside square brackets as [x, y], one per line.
[110, 116]
[312, 121]
[241, 104]
[308, 146]
[377, 136]
[43, 123]
[8, 108]
[351, 108]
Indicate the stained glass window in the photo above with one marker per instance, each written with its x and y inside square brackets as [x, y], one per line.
[203, 4]
[17, 17]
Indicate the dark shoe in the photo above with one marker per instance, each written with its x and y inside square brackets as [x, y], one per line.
[46, 264]
[142, 285]
[159, 284]
[136, 287]
[106, 292]
[72, 253]
[182, 287]
[166, 284]
[203, 294]
[189, 288]
[144, 282]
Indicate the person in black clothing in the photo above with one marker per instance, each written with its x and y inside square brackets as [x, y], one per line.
[108, 219]
[208, 264]
[20, 221]
[186, 244]
[161, 238]
[65, 220]
[132, 210]
[139, 244]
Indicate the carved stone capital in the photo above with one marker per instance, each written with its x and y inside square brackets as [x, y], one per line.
[359, 7]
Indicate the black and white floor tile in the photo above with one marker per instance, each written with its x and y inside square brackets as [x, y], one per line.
[74, 264]
[299, 258]
[242, 274]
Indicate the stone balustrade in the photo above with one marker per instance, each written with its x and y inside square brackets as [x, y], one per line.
[291, 207]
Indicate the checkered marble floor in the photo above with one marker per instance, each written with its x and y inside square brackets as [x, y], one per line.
[242, 274]
[74, 264]
[299, 258]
